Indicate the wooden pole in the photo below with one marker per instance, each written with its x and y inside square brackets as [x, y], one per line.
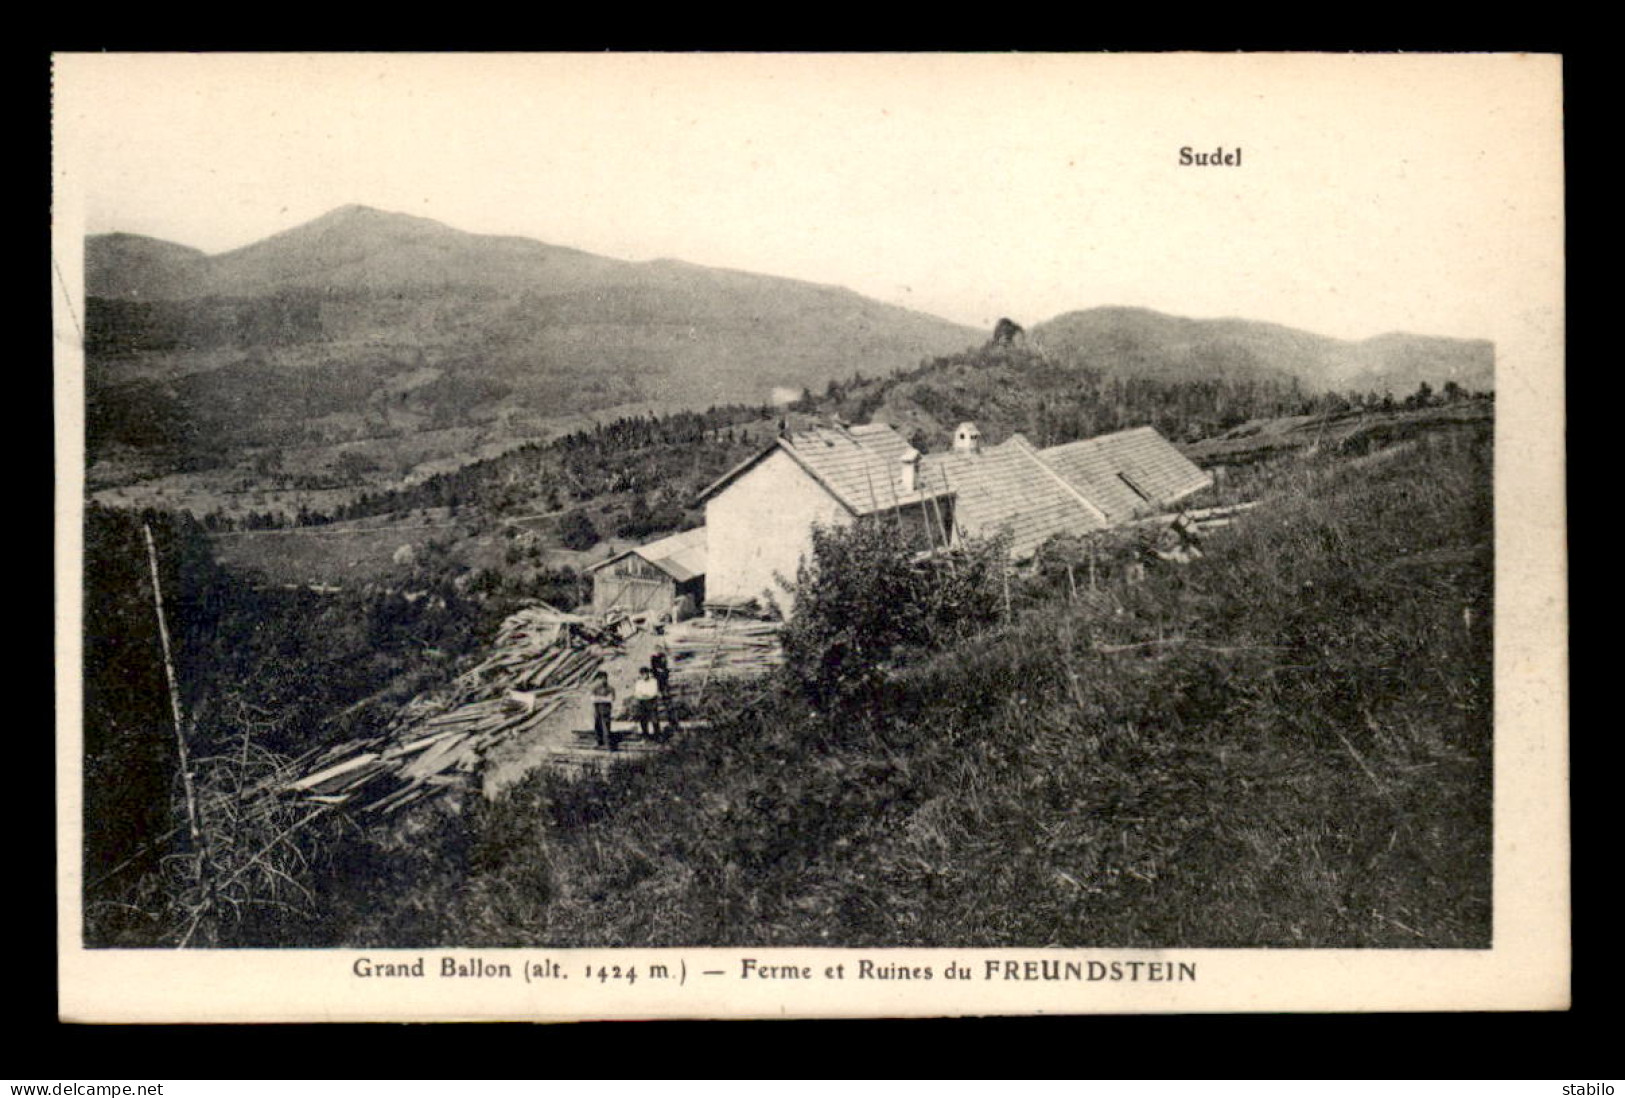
[874, 501]
[1072, 583]
[930, 532]
[174, 698]
[933, 514]
[947, 533]
[716, 653]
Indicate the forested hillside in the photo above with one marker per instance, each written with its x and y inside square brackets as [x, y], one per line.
[637, 476]
[263, 673]
[1058, 397]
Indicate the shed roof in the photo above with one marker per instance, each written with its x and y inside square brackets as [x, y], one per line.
[860, 466]
[680, 556]
[1127, 473]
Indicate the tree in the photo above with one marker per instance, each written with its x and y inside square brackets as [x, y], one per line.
[576, 531]
[864, 595]
[639, 520]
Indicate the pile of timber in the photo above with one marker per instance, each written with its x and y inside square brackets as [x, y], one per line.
[1161, 533]
[706, 648]
[438, 741]
[1206, 518]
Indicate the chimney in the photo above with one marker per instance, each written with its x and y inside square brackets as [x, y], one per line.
[967, 440]
[909, 478]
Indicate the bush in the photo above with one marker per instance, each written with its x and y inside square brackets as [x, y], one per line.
[865, 596]
[576, 531]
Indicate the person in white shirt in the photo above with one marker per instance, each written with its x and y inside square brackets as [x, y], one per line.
[645, 704]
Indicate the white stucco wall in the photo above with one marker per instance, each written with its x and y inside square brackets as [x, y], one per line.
[761, 524]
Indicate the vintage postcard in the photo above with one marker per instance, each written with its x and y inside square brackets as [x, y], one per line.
[672, 536]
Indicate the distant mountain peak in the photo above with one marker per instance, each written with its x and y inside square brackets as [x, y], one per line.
[370, 219]
[375, 321]
[356, 211]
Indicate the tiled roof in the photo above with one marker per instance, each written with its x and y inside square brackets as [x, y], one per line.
[1033, 494]
[860, 466]
[1009, 488]
[1127, 473]
[680, 556]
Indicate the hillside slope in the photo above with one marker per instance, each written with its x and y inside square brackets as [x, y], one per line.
[1286, 743]
[1147, 344]
[131, 267]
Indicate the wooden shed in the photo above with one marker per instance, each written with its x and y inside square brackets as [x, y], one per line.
[652, 578]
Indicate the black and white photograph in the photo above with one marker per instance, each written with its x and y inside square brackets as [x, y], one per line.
[651, 535]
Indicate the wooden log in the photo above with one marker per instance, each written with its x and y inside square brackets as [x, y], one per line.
[417, 745]
[384, 803]
[415, 795]
[436, 759]
[334, 771]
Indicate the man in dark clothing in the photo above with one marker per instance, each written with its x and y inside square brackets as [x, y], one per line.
[660, 665]
[603, 709]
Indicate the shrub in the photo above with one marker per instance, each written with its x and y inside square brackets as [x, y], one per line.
[865, 595]
[576, 531]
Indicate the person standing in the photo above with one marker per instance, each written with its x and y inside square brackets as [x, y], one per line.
[645, 703]
[603, 710]
[660, 666]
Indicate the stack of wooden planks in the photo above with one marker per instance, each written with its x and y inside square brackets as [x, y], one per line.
[709, 647]
[1213, 518]
[438, 741]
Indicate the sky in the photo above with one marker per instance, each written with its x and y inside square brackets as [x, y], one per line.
[1375, 193]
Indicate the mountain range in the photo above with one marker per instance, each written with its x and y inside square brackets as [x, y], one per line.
[360, 283]
[365, 324]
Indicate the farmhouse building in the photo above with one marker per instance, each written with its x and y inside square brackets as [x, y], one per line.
[760, 515]
[652, 578]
